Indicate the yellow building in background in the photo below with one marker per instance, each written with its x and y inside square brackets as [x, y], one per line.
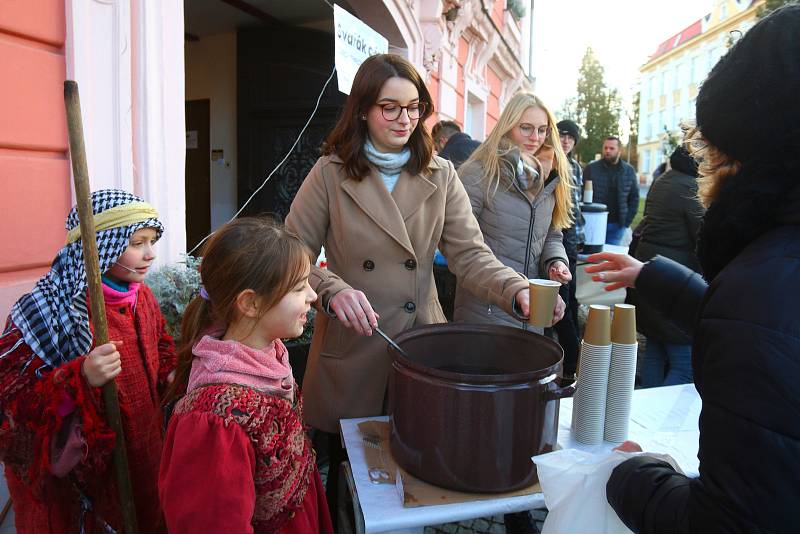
[671, 77]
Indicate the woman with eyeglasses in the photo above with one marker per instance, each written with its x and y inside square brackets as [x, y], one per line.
[518, 182]
[380, 203]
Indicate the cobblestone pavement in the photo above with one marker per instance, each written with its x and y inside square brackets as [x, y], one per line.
[488, 525]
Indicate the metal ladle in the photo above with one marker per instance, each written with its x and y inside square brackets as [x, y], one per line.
[392, 342]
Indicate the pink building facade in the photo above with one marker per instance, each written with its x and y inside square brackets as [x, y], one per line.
[138, 64]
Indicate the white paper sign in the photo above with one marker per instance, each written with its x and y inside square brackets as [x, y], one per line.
[191, 139]
[355, 42]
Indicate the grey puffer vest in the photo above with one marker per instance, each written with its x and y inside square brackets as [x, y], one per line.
[511, 224]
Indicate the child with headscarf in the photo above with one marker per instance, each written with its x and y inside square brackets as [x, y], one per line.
[55, 442]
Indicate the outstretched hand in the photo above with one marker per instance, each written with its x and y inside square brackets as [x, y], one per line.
[616, 270]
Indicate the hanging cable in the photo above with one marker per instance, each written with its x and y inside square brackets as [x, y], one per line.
[278, 166]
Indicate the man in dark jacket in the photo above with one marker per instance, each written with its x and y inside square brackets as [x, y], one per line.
[451, 143]
[746, 350]
[614, 184]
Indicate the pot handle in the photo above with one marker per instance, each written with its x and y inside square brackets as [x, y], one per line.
[560, 392]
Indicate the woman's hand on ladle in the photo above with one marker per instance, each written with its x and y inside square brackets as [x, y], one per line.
[354, 311]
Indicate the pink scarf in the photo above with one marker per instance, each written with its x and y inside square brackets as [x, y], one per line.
[121, 298]
[218, 362]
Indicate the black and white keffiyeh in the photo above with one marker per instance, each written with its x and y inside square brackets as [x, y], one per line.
[53, 317]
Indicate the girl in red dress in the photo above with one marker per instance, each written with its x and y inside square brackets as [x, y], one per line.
[54, 440]
[236, 457]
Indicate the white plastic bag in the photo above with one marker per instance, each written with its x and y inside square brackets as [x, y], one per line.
[574, 487]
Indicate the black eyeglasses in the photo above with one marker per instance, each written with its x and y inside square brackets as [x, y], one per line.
[391, 112]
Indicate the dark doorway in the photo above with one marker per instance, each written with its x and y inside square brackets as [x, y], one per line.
[198, 171]
[281, 72]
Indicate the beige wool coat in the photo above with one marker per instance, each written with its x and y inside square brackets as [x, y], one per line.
[383, 244]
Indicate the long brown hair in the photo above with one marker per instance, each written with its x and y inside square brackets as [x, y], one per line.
[249, 253]
[350, 133]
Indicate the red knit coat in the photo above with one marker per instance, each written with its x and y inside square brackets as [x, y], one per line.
[29, 406]
[238, 460]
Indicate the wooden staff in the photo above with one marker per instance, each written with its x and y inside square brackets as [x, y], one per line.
[90, 258]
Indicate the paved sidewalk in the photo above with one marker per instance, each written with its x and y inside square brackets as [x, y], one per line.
[488, 525]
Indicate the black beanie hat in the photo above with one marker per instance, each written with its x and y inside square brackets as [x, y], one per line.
[682, 161]
[748, 105]
[569, 127]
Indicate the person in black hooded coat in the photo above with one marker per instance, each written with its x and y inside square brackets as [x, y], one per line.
[672, 216]
[746, 350]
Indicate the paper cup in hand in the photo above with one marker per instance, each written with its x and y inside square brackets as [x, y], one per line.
[598, 326]
[543, 301]
[623, 325]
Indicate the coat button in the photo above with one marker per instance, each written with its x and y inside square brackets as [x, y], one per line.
[411, 264]
[369, 265]
[410, 307]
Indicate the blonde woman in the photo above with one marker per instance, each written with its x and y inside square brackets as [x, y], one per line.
[519, 183]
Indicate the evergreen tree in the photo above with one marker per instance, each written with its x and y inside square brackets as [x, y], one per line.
[596, 108]
[633, 140]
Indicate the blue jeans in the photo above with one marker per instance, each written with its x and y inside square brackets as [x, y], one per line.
[666, 364]
[614, 233]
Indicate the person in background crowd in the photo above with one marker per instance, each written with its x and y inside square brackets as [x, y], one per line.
[451, 143]
[381, 202]
[567, 328]
[746, 349]
[661, 169]
[615, 185]
[672, 216]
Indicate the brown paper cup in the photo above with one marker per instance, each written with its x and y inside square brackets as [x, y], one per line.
[598, 325]
[623, 325]
[543, 301]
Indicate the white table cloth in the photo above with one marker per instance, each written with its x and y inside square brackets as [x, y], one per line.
[662, 420]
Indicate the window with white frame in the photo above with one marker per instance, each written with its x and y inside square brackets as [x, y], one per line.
[646, 162]
[475, 117]
[693, 74]
[711, 60]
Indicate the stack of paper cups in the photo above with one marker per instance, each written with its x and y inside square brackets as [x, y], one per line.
[588, 415]
[622, 373]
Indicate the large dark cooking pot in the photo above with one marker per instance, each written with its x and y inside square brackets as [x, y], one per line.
[473, 404]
